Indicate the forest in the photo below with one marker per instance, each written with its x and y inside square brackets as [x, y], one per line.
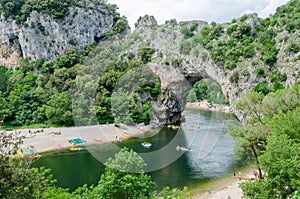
[41, 93]
[270, 134]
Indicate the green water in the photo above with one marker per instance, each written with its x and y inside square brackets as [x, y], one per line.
[204, 133]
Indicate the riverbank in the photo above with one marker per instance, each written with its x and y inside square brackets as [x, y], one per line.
[223, 187]
[52, 139]
[204, 105]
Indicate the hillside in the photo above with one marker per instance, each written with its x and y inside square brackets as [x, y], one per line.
[35, 29]
[247, 53]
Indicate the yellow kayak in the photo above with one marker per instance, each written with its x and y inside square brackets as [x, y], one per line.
[35, 156]
[75, 149]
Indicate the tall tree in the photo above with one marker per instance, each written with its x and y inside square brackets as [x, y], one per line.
[59, 109]
[281, 162]
[124, 178]
[252, 136]
[17, 179]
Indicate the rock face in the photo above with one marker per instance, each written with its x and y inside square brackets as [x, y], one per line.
[43, 37]
[175, 89]
[146, 21]
[179, 71]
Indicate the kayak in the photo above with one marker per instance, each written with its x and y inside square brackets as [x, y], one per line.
[146, 144]
[76, 149]
[35, 156]
[180, 148]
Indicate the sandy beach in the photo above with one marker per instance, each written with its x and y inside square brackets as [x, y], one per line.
[50, 139]
[225, 186]
[231, 188]
[204, 105]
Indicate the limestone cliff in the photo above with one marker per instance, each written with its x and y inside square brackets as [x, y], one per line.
[237, 55]
[178, 70]
[42, 36]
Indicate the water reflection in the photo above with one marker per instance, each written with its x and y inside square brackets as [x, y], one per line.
[204, 133]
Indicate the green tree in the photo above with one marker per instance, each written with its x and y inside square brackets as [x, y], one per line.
[251, 137]
[192, 96]
[59, 109]
[4, 111]
[124, 178]
[287, 123]
[4, 77]
[262, 87]
[281, 162]
[145, 54]
[17, 179]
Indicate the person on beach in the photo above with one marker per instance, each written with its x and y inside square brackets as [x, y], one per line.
[118, 139]
[31, 151]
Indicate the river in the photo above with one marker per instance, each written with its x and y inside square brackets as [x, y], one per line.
[210, 154]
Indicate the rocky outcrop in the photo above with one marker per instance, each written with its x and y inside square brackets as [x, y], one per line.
[41, 36]
[179, 71]
[177, 60]
[146, 21]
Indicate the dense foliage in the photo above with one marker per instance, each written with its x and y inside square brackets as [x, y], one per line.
[207, 89]
[270, 132]
[249, 36]
[21, 9]
[43, 97]
[17, 179]
[248, 41]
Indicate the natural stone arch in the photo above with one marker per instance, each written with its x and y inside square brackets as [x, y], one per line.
[177, 80]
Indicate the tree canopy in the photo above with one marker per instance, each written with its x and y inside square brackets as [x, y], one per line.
[270, 132]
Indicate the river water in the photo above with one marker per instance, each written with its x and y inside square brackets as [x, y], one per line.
[210, 154]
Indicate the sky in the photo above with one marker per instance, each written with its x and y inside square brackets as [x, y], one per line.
[185, 10]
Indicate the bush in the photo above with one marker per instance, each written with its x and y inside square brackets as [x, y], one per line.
[187, 31]
[246, 73]
[230, 64]
[145, 54]
[185, 47]
[234, 78]
[260, 72]
[276, 76]
[293, 47]
[277, 86]
[262, 87]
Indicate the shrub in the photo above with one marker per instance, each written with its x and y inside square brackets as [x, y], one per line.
[186, 31]
[230, 64]
[246, 73]
[260, 72]
[293, 47]
[234, 78]
[145, 54]
[262, 87]
[277, 86]
[185, 47]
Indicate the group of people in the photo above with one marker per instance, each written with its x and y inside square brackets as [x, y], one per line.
[35, 132]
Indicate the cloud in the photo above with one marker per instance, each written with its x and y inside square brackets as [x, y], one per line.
[271, 7]
[184, 10]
